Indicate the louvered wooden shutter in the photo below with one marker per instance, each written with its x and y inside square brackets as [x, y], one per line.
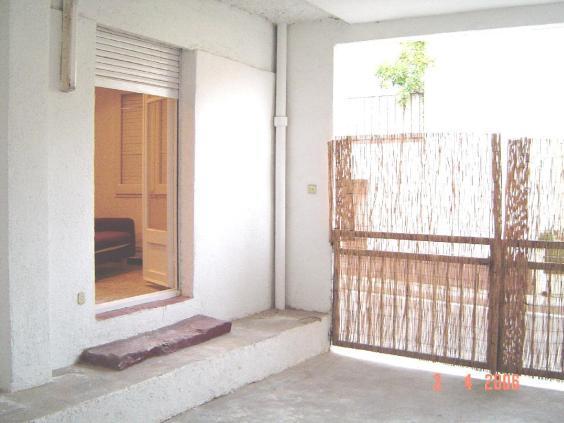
[130, 63]
[131, 141]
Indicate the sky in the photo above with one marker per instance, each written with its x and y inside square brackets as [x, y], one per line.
[509, 81]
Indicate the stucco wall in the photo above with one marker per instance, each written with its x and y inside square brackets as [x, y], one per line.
[232, 257]
[70, 119]
[23, 182]
[192, 24]
[228, 125]
[310, 89]
[5, 351]
[233, 216]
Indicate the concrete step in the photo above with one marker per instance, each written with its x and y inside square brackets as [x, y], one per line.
[121, 354]
[164, 386]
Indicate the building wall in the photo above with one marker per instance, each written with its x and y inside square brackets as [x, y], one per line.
[5, 332]
[310, 91]
[225, 118]
[233, 216]
[192, 24]
[24, 324]
[70, 120]
[230, 254]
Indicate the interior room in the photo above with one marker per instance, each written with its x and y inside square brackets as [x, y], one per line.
[281, 211]
[132, 133]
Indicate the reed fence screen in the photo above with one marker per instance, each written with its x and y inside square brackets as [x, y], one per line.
[450, 247]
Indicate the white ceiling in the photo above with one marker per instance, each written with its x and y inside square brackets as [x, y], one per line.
[357, 11]
[280, 11]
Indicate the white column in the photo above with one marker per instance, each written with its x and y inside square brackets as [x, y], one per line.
[24, 279]
[280, 122]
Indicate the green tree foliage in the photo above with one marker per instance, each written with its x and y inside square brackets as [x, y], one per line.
[408, 72]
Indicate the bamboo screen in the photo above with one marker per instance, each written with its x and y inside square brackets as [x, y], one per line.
[532, 310]
[433, 238]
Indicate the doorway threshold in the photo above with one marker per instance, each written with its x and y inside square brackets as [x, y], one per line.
[136, 301]
[139, 307]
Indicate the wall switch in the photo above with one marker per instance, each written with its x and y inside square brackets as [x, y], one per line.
[81, 298]
[312, 189]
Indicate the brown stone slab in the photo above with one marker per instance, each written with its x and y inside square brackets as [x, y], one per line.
[121, 354]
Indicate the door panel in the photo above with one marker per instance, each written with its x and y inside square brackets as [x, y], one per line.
[532, 309]
[155, 263]
[155, 193]
[411, 266]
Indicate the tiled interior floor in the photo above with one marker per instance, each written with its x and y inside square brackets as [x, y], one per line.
[115, 281]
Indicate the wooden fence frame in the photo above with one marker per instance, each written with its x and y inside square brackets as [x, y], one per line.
[497, 260]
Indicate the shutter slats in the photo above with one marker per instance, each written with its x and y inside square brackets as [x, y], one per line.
[109, 57]
[131, 138]
[134, 50]
[161, 76]
[129, 77]
[135, 41]
[136, 64]
[127, 55]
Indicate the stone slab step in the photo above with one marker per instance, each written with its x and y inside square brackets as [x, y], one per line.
[124, 353]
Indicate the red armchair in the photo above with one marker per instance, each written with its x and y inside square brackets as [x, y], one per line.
[114, 239]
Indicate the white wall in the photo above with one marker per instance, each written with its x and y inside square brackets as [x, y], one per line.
[24, 334]
[192, 24]
[233, 236]
[310, 85]
[5, 351]
[70, 120]
[232, 256]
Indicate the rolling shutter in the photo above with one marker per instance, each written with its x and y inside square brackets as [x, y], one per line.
[129, 63]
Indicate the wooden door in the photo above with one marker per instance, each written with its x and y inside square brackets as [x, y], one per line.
[159, 203]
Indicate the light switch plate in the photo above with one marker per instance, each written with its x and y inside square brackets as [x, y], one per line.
[81, 298]
[312, 189]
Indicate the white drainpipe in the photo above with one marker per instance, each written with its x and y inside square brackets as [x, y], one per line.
[280, 123]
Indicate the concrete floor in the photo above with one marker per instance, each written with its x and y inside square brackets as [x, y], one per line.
[334, 388]
[160, 387]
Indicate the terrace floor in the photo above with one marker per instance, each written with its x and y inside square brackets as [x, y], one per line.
[337, 388]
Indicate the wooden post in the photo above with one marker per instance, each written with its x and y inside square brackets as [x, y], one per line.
[330, 146]
[515, 260]
[339, 162]
[495, 295]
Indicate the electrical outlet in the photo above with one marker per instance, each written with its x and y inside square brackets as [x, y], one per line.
[81, 298]
[312, 189]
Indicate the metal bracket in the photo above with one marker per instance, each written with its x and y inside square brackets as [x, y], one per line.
[68, 48]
